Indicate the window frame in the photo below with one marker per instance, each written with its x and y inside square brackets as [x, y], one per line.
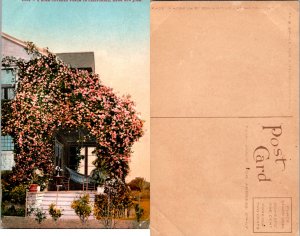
[6, 87]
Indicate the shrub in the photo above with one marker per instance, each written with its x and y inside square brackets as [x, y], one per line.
[18, 194]
[39, 214]
[20, 211]
[10, 191]
[104, 210]
[12, 196]
[139, 211]
[100, 206]
[112, 204]
[13, 211]
[82, 207]
[6, 186]
[10, 211]
[54, 212]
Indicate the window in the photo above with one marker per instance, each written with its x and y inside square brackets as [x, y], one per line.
[91, 157]
[7, 83]
[7, 143]
[7, 92]
[7, 76]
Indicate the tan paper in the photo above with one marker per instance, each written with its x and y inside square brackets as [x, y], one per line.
[224, 118]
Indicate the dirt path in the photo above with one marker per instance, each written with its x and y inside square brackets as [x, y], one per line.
[12, 222]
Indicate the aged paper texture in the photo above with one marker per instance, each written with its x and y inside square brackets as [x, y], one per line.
[224, 118]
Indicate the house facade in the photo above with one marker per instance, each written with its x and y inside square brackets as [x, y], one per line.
[16, 48]
[66, 146]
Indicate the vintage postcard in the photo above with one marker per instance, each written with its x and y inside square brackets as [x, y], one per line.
[224, 118]
[75, 122]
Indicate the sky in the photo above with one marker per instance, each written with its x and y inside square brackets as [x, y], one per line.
[117, 32]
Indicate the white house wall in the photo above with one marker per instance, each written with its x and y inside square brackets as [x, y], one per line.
[7, 160]
[10, 48]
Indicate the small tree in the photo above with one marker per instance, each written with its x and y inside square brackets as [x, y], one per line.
[54, 212]
[104, 210]
[112, 204]
[139, 184]
[82, 207]
[39, 214]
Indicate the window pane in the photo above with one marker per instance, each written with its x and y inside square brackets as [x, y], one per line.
[91, 157]
[7, 143]
[10, 93]
[2, 93]
[7, 76]
[7, 93]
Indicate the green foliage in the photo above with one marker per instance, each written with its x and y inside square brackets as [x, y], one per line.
[11, 195]
[13, 211]
[5, 108]
[18, 194]
[6, 186]
[38, 177]
[104, 210]
[118, 192]
[39, 214]
[99, 174]
[112, 204]
[32, 49]
[11, 192]
[139, 211]
[82, 207]
[54, 212]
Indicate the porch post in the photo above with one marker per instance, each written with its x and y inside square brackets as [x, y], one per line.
[86, 161]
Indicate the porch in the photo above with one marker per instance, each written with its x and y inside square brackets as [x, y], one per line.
[73, 157]
[63, 200]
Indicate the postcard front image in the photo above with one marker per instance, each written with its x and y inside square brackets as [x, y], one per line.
[75, 150]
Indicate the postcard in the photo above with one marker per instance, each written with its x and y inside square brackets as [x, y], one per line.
[75, 101]
[224, 118]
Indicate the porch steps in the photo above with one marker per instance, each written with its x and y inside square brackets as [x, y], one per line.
[62, 199]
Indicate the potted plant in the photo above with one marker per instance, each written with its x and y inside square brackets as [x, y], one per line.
[37, 175]
[99, 176]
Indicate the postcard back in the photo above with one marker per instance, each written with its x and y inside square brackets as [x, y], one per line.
[224, 118]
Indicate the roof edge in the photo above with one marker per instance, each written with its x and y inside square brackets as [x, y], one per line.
[22, 43]
[74, 52]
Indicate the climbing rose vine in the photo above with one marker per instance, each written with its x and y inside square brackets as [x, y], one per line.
[50, 97]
